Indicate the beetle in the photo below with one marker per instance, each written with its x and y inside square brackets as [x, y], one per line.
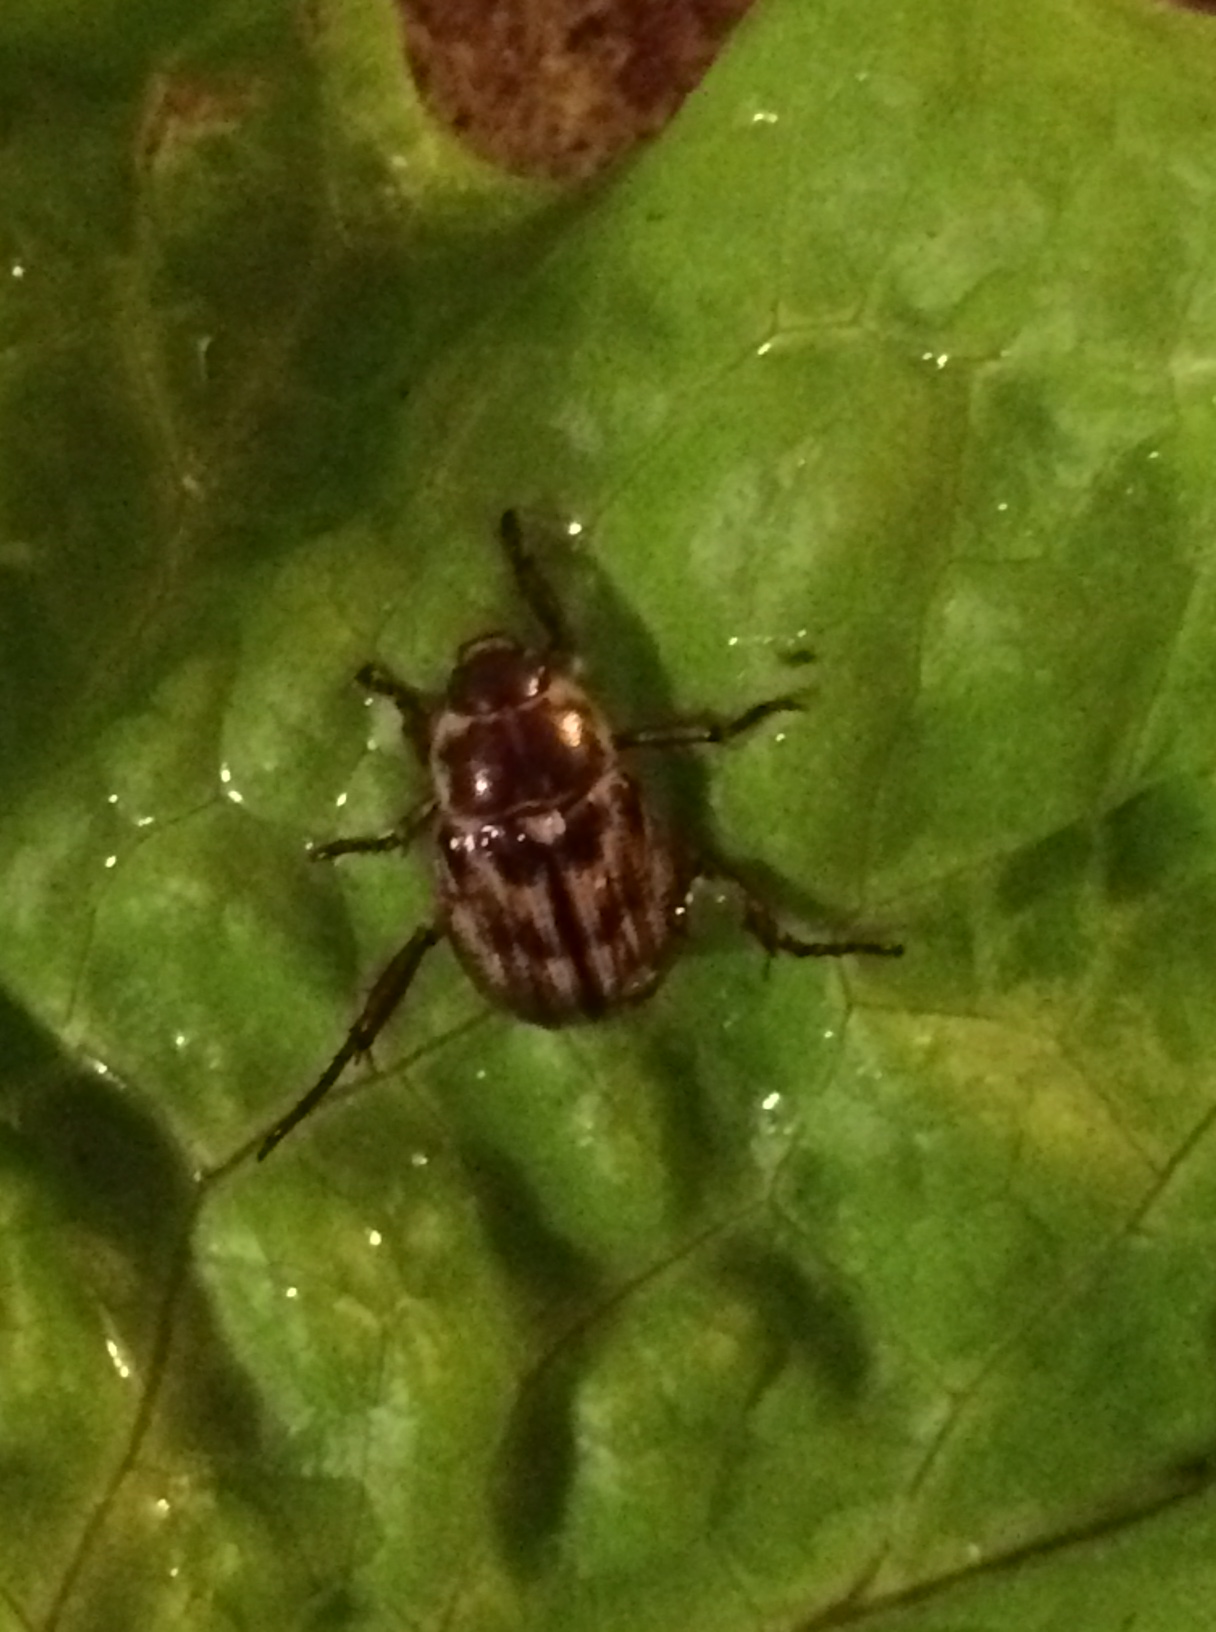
[560, 892]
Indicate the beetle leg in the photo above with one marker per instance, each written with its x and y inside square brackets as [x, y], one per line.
[705, 728]
[413, 705]
[533, 586]
[382, 1000]
[760, 922]
[397, 838]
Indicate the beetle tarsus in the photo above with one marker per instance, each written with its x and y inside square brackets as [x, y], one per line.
[356, 846]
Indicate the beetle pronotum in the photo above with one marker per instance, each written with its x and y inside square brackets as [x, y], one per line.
[560, 893]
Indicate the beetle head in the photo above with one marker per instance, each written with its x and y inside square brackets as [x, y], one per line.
[493, 673]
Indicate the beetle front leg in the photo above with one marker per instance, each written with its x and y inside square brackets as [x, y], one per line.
[534, 587]
[384, 997]
[400, 837]
[705, 728]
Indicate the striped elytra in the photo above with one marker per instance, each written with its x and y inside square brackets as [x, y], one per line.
[558, 889]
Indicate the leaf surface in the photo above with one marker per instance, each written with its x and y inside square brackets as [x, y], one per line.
[807, 1294]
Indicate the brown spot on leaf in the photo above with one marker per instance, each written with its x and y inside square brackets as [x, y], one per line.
[184, 108]
[561, 87]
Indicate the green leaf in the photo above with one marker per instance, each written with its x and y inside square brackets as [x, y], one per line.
[808, 1293]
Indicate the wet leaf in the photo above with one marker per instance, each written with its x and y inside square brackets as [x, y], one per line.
[807, 1294]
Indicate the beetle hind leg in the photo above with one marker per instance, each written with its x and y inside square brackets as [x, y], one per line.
[382, 1001]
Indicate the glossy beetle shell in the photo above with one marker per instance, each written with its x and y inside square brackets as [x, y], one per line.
[560, 893]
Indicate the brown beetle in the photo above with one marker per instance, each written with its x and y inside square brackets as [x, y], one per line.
[561, 895]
